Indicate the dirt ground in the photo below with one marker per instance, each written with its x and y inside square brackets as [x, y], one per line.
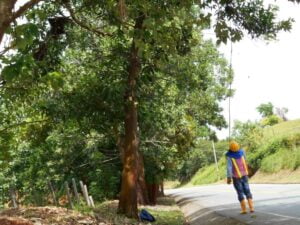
[46, 216]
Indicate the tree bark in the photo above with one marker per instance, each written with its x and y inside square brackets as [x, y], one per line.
[153, 192]
[128, 195]
[6, 11]
[161, 192]
[7, 14]
[142, 192]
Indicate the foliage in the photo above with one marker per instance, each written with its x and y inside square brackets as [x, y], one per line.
[282, 159]
[267, 112]
[75, 111]
[280, 153]
[266, 109]
[172, 132]
[248, 134]
[271, 120]
[200, 157]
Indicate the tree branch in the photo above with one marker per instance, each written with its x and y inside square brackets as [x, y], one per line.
[23, 8]
[22, 124]
[81, 24]
[7, 49]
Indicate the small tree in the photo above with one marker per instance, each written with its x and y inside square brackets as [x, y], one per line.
[266, 109]
[281, 112]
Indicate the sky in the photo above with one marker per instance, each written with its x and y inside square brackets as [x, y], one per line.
[266, 72]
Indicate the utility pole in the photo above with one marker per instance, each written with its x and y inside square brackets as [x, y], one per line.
[216, 161]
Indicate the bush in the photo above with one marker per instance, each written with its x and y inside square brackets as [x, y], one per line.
[280, 153]
[283, 159]
[271, 120]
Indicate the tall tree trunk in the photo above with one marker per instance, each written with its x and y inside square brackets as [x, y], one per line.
[128, 195]
[153, 192]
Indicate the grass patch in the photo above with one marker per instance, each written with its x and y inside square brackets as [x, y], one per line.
[209, 174]
[166, 212]
[173, 217]
[282, 129]
[83, 208]
[282, 159]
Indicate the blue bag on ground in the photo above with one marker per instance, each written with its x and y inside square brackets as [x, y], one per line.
[146, 216]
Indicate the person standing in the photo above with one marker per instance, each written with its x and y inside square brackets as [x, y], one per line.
[237, 171]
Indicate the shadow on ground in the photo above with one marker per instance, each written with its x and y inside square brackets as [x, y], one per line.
[228, 214]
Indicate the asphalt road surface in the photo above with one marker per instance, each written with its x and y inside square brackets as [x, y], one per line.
[217, 204]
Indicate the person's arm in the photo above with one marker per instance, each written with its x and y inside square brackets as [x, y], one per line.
[229, 170]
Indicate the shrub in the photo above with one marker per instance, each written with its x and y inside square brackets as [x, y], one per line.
[271, 120]
[280, 153]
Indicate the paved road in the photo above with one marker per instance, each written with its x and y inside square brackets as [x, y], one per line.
[275, 204]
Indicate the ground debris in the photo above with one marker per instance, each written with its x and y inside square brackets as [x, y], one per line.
[46, 216]
[14, 221]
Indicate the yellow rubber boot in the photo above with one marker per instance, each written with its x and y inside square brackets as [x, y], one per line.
[243, 207]
[251, 206]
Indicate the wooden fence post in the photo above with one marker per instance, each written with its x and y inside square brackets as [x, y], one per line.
[75, 190]
[92, 201]
[13, 197]
[85, 195]
[52, 192]
[68, 194]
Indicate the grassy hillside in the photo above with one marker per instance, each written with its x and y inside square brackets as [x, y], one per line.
[278, 153]
[209, 174]
[282, 129]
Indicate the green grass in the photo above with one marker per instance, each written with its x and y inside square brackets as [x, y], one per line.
[282, 159]
[282, 129]
[209, 174]
[173, 217]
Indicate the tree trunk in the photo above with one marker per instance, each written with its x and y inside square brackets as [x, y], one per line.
[8, 15]
[128, 195]
[142, 193]
[6, 9]
[161, 192]
[153, 192]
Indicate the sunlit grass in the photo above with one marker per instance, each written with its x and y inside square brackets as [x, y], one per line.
[209, 174]
[282, 129]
